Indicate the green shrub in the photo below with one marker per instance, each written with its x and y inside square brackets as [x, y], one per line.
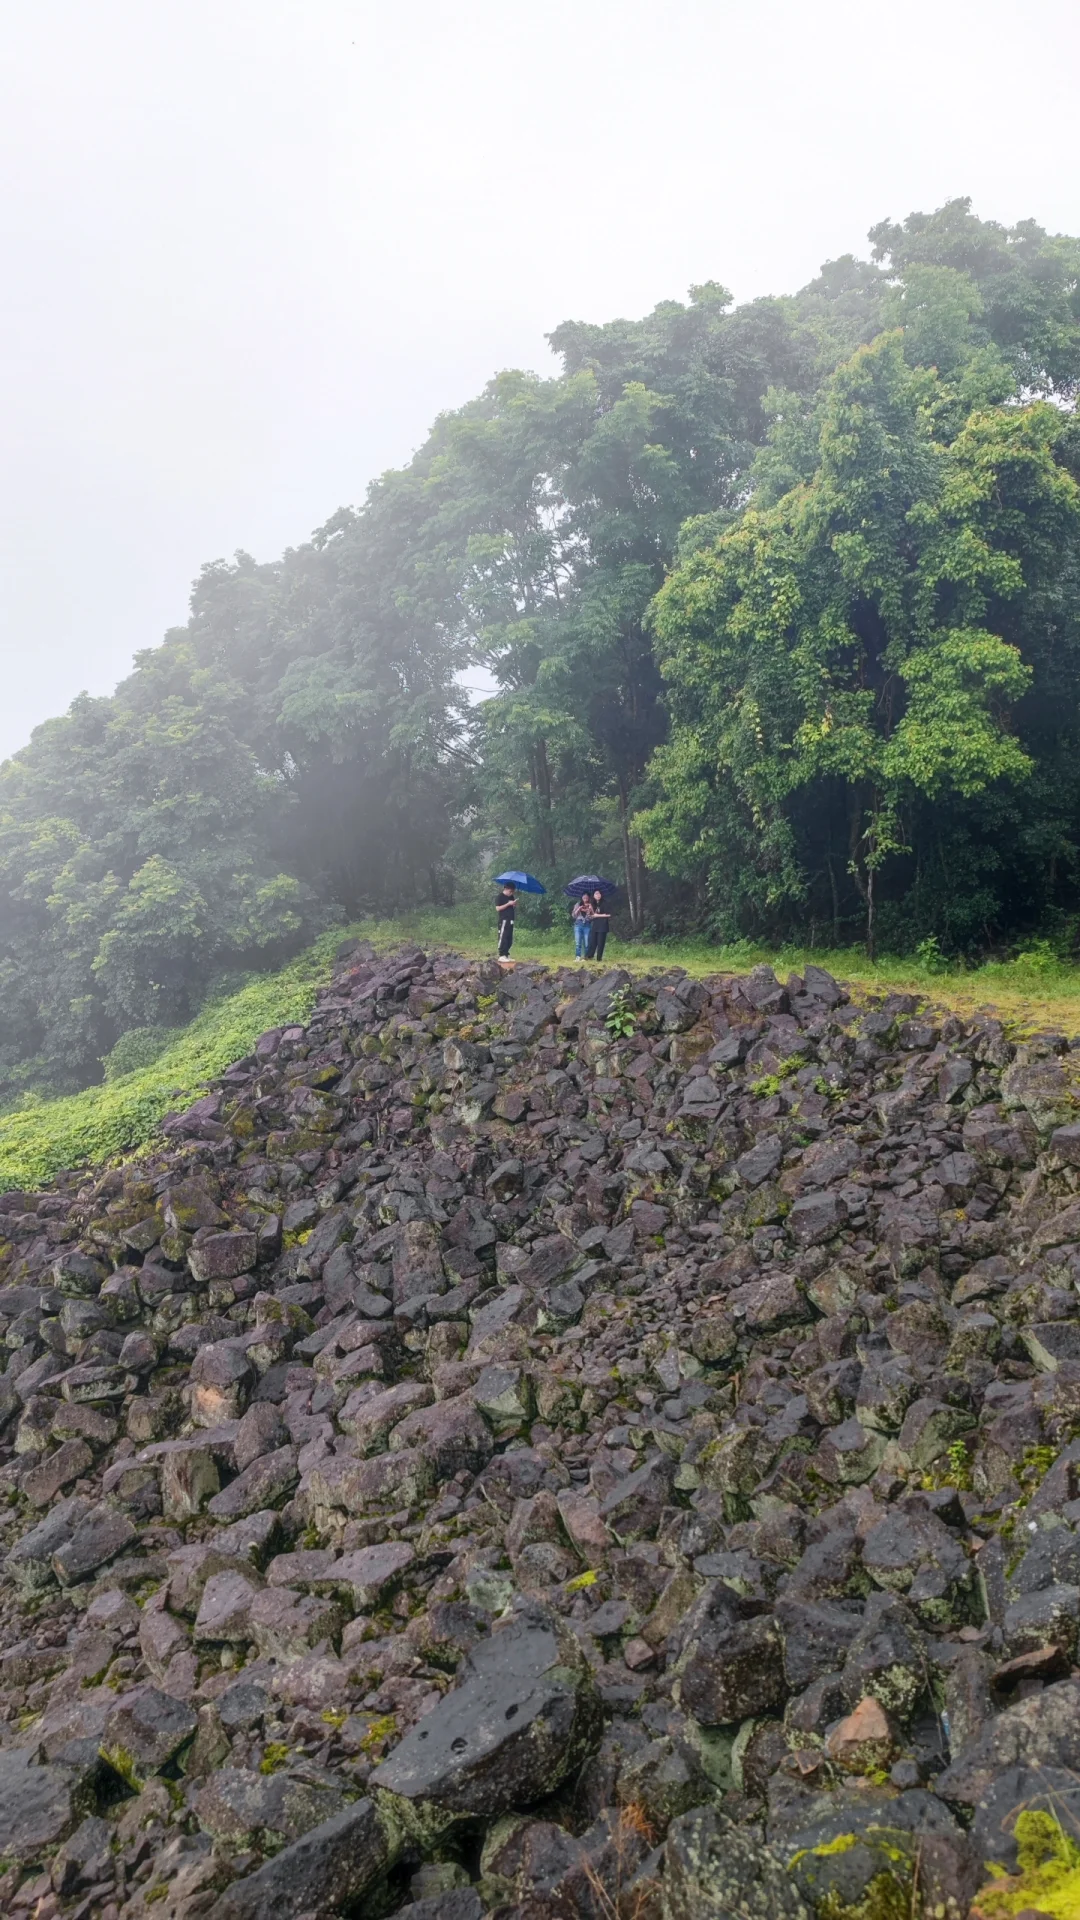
[138, 1048]
[1039, 958]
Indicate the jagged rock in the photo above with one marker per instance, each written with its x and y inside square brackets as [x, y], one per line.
[452, 1435]
[371, 1575]
[30, 1561]
[245, 1809]
[286, 1625]
[911, 1552]
[713, 1869]
[225, 1608]
[1043, 1731]
[817, 1635]
[592, 1005]
[864, 1741]
[522, 1717]
[731, 1666]
[85, 1859]
[39, 1805]
[265, 1483]
[874, 1844]
[221, 1256]
[633, 1508]
[220, 1381]
[96, 1540]
[145, 1731]
[329, 1866]
[886, 1658]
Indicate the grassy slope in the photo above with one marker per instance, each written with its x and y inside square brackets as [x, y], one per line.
[42, 1136]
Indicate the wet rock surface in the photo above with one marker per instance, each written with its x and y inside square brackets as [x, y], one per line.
[479, 1464]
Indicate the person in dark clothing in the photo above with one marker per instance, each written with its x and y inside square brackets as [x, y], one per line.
[505, 909]
[598, 927]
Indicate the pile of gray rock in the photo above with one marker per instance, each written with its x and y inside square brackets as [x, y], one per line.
[483, 1461]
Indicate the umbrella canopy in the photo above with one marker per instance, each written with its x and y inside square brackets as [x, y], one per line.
[591, 883]
[524, 882]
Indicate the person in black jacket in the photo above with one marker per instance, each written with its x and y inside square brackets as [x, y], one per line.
[505, 909]
[598, 927]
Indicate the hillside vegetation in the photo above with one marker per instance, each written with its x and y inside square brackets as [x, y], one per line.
[779, 602]
[39, 1137]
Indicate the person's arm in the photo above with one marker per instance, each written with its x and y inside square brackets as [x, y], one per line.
[503, 905]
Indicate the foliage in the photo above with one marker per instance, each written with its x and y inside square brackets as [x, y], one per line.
[1048, 1881]
[848, 668]
[137, 1048]
[621, 1021]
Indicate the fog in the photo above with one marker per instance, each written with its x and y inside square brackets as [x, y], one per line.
[252, 247]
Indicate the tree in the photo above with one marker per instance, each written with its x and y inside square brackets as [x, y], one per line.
[853, 660]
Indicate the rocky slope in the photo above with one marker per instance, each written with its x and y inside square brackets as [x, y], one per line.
[508, 1453]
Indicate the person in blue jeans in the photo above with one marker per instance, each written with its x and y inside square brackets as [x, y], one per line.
[581, 915]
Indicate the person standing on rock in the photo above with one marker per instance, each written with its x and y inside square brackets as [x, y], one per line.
[505, 909]
[599, 923]
[581, 915]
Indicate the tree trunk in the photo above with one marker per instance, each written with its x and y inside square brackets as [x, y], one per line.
[633, 864]
[835, 903]
[542, 784]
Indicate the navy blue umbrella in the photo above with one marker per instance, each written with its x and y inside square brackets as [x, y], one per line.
[524, 882]
[590, 883]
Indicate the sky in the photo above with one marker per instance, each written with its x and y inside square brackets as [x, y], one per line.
[252, 247]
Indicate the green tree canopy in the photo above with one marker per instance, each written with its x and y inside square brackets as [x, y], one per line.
[857, 673]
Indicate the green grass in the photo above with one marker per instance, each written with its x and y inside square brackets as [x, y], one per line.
[42, 1136]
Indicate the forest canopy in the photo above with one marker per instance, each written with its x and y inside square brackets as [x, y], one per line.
[779, 604]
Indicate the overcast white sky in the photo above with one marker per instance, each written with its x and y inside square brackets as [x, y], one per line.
[251, 247]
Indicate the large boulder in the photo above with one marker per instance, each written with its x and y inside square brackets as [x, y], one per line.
[715, 1870]
[326, 1868]
[524, 1715]
[39, 1806]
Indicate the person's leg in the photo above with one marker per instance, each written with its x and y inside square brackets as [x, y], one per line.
[601, 941]
[590, 947]
[581, 939]
[506, 938]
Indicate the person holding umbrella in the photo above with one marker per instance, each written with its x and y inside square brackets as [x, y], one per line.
[590, 891]
[506, 905]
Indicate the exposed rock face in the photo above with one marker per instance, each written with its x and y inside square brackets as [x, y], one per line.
[479, 1464]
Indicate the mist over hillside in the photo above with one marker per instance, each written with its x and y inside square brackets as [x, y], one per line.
[779, 605]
